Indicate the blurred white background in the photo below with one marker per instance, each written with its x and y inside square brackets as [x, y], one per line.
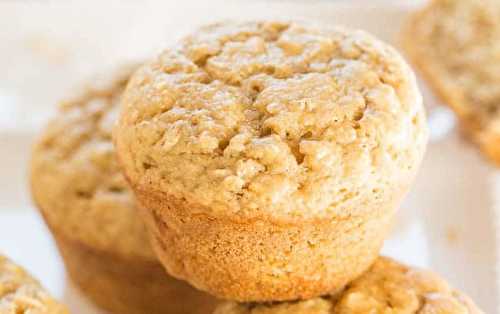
[448, 222]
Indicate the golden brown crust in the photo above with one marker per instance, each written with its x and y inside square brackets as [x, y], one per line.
[262, 260]
[129, 286]
[21, 294]
[454, 44]
[387, 287]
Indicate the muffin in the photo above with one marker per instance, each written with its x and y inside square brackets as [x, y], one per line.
[456, 44]
[21, 294]
[387, 287]
[92, 214]
[269, 157]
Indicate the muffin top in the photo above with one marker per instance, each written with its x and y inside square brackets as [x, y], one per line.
[75, 176]
[388, 287]
[459, 41]
[274, 118]
[21, 294]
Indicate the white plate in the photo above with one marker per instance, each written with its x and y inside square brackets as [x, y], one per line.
[447, 222]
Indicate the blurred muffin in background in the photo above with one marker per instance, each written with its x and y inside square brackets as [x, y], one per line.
[456, 46]
[387, 287]
[20, 293]
[92, 213]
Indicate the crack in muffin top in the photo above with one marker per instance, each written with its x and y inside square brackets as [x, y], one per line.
[75, 176]
[387, 287]
[281, 118]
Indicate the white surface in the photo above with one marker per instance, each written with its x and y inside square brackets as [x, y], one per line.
[447, 223]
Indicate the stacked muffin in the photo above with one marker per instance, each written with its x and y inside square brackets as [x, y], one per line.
[268, 160]
[387, 287]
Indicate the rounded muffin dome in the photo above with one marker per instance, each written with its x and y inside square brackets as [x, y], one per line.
[275, 119]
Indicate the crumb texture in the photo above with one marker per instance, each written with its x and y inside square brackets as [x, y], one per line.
[388, 287]
[21, 294]
[457, 43]
[75, 176]
[282, 118]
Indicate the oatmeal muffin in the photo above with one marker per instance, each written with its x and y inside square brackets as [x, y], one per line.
[270, 157]
[21, 294]
[387, 287]
[93, 215]
[456, 44]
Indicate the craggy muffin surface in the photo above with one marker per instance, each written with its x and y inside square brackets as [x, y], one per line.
[387, 287]
[75, 176]
[283, 120]
[270, 157]
[21, 294]
[456, 45]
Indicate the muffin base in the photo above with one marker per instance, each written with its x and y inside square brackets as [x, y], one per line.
[259, 260]
[128, 286]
